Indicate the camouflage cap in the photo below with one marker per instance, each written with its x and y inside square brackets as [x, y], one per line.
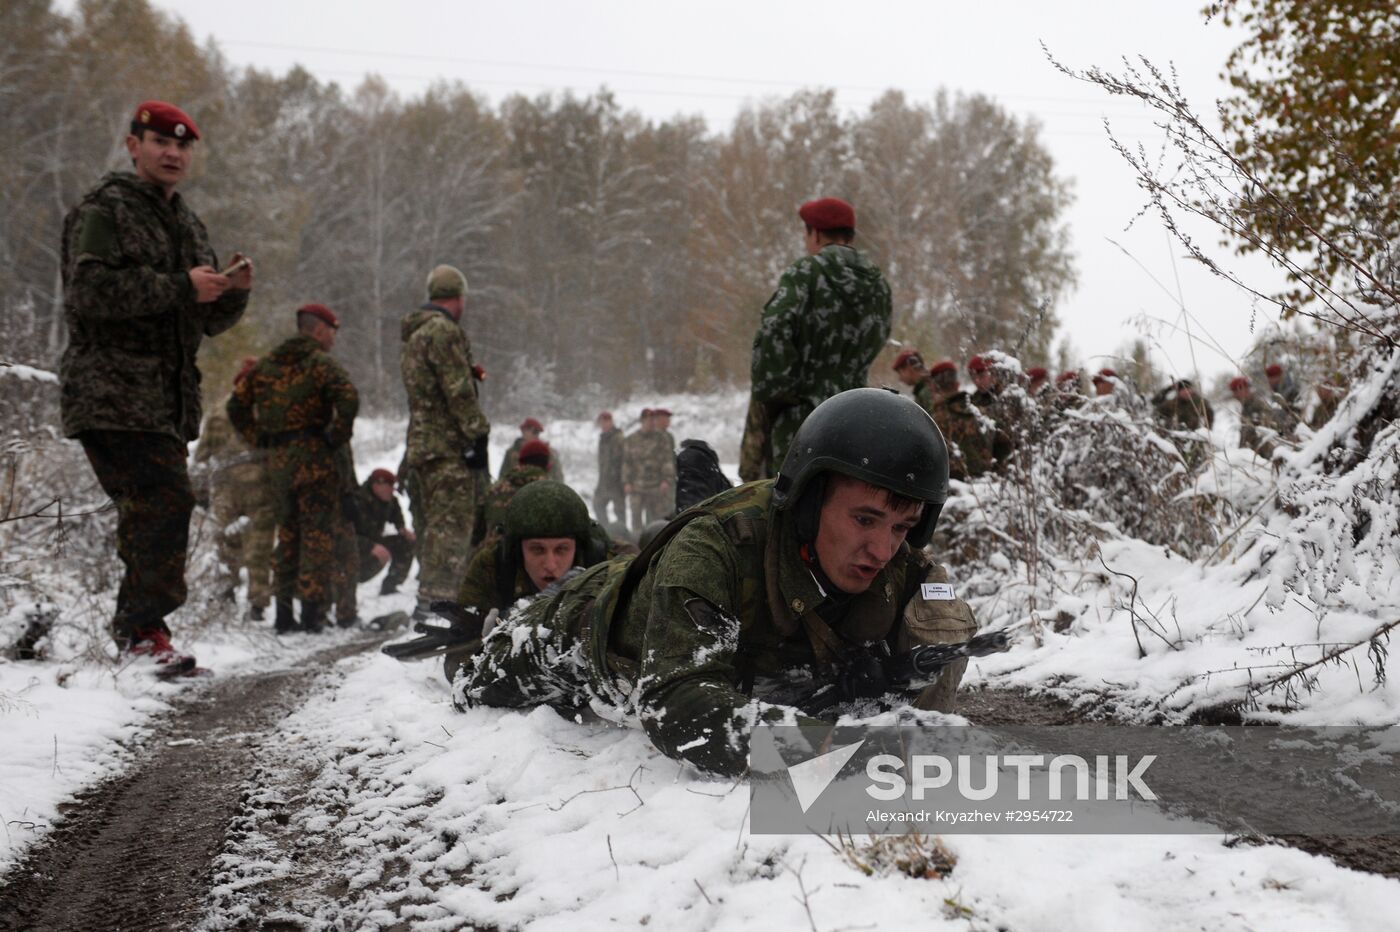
[545, 508]
[446, 282]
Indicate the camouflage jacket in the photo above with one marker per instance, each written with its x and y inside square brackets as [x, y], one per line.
[221, 447]
[299, 402]
[610, 459]
[511, 461]
[491, 513]
[444, 413]
[134, 327]
[1177, 413]
[495, 580]
[372, 513]
[649, 459]
[819, 333]
[708, 645]
[976, 445]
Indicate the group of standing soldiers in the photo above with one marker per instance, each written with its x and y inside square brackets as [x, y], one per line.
[636, 469]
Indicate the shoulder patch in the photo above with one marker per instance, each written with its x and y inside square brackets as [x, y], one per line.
[97, 236]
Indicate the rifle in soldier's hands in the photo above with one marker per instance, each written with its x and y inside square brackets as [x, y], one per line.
[463, 626]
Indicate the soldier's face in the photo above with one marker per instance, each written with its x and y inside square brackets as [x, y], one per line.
[384, 491]
[859, 532]
[908, 374]
[161, 160]
[547, 559]
[983, 380]
[605, 423]
[1104, 387]
[661, 421]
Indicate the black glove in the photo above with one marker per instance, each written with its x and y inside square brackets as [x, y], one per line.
[479, 455]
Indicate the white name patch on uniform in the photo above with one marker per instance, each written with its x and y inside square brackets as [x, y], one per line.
[938, 592]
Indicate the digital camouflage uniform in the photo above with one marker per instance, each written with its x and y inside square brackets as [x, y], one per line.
[298, 404]
[976, 446]
[347, 550]
[512, 460]
[650, 459]
[492, 511]
[820, 331]
[1177, 413]
[446, 426]
[129, 382]
[239, 488]
[371, 514]
[611, 456]
[756, 446]
[705, 645]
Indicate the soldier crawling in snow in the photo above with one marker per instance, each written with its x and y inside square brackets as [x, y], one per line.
[773, 585]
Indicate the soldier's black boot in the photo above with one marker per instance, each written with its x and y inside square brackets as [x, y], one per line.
[285, 622]
[313, 616]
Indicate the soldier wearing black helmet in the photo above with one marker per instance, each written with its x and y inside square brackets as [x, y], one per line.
[774, 584]
[547, 532]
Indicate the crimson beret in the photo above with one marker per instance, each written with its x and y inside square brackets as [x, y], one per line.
[603, 415]
[1066, 376]
[945, 365]
[905, 357]
[166, 119]
[646, 412]
[1274, 371]
[1036, 373]
[531, 424]
[1238, 382]
[534, 449]
[661, 412]
[977, 364]
[382, 475]
[321, 311]
[828, 213]
[244, 368]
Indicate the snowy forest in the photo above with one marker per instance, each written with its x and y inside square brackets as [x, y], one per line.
[588, 234]
[1147, 572]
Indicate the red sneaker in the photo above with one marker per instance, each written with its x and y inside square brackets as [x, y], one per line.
[155, 643]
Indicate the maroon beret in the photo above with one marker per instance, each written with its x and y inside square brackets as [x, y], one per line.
[661, 412]
[646, 413]
[166, 119]
[1064, 377]
[1238, 382]
[977, 364]
[534, 449]
[321, 311]
[828, 213]
[1036, 373]
[244, 368]
[907, 356]
[603, 415]
[945, 365]
[1274, 371]
[1108, 373]
[382, 475]
[531, 424]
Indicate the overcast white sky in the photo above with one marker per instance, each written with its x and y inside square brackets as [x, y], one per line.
[662, 58]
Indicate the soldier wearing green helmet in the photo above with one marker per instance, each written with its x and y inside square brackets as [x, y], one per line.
[806, 577]
[546, 533]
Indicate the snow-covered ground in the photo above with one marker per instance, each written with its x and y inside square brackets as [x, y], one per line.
[527, 820]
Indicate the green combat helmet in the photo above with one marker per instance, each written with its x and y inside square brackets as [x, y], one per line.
[873, 434]
[446, 282]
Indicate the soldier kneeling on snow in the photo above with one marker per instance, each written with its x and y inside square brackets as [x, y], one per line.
[758, 597]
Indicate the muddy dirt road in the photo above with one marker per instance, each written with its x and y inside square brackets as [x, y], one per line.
[227, 822]
[137, 852]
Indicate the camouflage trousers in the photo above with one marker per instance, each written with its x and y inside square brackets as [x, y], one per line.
[309, 520]
[243, 491]
[347, 576]
[651, 506]
[610, 494]
[400, 559]
[145, 475]
[448, 494]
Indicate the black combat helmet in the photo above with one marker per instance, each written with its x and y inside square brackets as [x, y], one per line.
[545, 508]
[872, 434]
